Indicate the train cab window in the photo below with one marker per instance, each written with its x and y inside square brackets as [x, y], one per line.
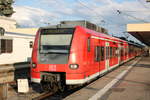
[102, 54]
[6, 45]
[97, 54]
[88, 44]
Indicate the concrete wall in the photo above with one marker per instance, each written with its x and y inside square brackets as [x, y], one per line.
[138, 27]
[28, 31]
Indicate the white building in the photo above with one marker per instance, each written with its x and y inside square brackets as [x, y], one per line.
[16, 43]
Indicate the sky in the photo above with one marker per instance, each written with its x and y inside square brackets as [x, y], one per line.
[111, 14]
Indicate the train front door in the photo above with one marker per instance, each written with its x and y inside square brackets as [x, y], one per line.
[107, 56]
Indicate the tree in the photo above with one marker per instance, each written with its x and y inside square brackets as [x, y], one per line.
[147, 0]
[6, 8]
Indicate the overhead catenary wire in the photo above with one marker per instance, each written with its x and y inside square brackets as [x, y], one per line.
[143, 4]
[142, 20]
[132, 11]
[97, 14]
[92, 10]
[82, 17]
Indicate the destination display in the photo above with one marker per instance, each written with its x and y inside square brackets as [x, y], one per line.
[57, 31]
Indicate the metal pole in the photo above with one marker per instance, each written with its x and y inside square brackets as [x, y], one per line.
[3, 91]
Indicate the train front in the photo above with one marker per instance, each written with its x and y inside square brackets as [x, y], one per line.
[50, 57]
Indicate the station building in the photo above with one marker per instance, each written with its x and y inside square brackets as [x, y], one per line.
[141, 32]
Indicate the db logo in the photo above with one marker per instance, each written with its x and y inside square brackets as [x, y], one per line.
[52, 67]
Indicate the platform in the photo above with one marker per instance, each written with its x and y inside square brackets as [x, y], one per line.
[134, 85]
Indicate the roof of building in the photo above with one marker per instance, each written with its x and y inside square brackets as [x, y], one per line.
[31, 31]
[140, 31]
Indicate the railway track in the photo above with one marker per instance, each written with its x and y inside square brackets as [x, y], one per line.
[43, 96]
[55, 95]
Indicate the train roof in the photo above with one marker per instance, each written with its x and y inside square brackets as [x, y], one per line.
[135, 44]
[104, 35]
[88, 27]
[131, 42]
[83, 23]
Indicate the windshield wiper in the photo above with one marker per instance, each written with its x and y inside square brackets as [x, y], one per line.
[55, 52]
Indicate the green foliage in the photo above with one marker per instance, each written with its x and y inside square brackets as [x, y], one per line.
[6, 8]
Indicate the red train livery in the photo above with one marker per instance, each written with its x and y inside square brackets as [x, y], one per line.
[76, 55]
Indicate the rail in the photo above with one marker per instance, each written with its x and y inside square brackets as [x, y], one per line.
[43, 96]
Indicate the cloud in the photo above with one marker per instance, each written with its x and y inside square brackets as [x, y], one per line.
[102, 12]
[59, 6]
[32, 17]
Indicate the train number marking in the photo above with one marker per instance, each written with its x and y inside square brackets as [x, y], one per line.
[52, 67]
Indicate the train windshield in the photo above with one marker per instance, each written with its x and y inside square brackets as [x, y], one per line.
[55, 40]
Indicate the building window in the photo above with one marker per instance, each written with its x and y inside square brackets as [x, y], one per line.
[6, 46]
[31, 44]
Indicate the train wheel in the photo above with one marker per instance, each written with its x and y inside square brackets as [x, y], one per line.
[45, 86]
[48, 86]
[61, 86]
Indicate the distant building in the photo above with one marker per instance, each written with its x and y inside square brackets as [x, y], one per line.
[15, 43]
[141, 31]
[7, 23]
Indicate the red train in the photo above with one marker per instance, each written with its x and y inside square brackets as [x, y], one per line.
[73, 55]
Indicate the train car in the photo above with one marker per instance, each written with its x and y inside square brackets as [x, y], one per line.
[64, 55]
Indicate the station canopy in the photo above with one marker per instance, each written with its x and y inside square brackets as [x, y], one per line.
[140, 32]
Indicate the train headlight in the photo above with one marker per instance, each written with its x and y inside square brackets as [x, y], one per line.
[73, 66]
[33, 65]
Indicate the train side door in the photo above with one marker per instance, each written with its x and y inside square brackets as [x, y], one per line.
[122, 53]
[94, 56]
[97, 55]
[102, 57]
[119, 53]
[107, 56]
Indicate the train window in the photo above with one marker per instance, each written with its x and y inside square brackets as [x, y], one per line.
[6, 46]
[97, 54]
[116, 51]
[107, 52]
[110, 52]
[56, 41]
[102, 53]
[88, 44]
[122, 51]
